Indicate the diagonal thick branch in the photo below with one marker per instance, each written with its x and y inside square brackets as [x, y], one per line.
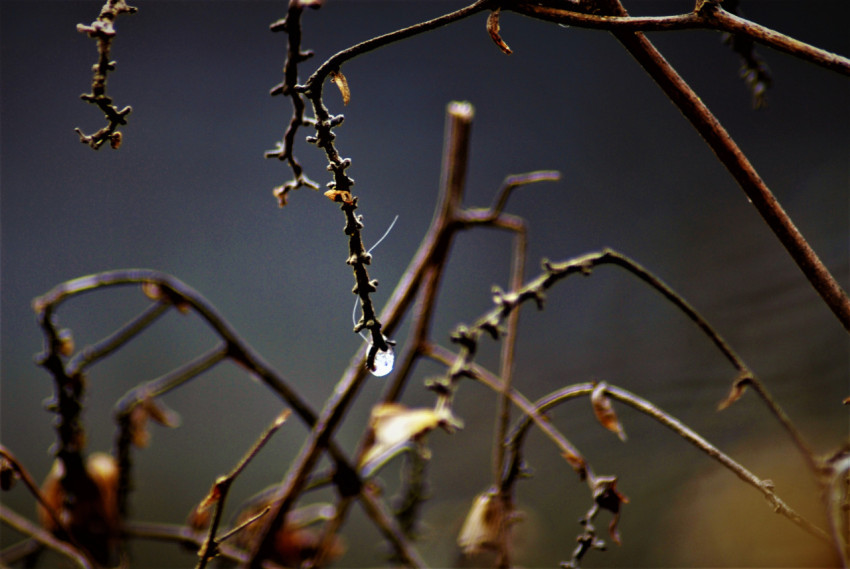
[731, 156]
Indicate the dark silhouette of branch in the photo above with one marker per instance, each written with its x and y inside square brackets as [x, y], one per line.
[728, 152]
[165, 288]
[708, 14]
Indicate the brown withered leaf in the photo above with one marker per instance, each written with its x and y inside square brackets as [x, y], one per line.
[295, 542]
[480, 529]
[392, 427]
[604, 411]
[493, 30]
[213, 496]
[576, 462]
[338, 79]
[150, 409]
[339, 196]
[738, 387]
[607, 497]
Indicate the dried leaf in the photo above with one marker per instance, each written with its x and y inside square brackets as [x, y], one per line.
[392, 427]
[294, 542]
[604, 411]
[213, 496]
[339, 196]
[576, 462]
[738, 388]
[338, 79]
[153, 409]
[493, 30]
[607, 497]
[480, 530]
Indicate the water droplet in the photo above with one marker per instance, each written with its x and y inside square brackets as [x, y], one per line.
[384, 362]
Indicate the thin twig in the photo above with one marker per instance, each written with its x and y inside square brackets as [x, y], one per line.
[221, 488]
[708, 15]
[334, 62]
[26, 527]
[91, 354]
[34, 489]
[103, 31]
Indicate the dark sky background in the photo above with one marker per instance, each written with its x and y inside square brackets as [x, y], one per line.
[189, 193]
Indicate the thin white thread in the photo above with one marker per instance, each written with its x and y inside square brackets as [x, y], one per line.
[372, 248]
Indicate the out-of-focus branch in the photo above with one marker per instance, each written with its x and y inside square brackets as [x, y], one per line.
[26, 527]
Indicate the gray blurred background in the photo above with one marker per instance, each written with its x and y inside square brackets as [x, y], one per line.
[189, 193]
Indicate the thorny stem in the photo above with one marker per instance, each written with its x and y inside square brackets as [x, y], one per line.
[176, 292]
[478, 373]
[490, 323]
[285, 149]
[103, 31]
[727, 151]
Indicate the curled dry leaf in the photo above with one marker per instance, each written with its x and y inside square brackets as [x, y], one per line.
[607, 497]
[339, 196]
[493, 30]
[394, 427]
[604, 411]
[155, 410]
[738, 388]
[484, 523]
[338, 79]
[480, 529]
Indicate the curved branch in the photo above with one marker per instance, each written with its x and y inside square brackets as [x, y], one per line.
[335, 61]
[644, 406]
[709, 16]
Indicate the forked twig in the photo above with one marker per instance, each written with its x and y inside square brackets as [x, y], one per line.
[219, 491]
